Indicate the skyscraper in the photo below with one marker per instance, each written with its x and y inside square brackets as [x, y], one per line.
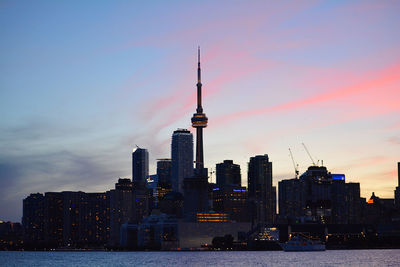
[164, 172]
[140, 165]
[228, 173]
[260, 190]
[182, 158]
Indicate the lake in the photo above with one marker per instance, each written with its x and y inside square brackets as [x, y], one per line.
[217, 258]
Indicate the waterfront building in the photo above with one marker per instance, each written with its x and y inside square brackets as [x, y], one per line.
[261, 193]
[319, 196]
[379, 210]
[231, 200]
[121, 208]
[66, 219]
[11, 236]
[33, 220]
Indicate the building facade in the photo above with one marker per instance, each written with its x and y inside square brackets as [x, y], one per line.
[319, 197]
[261, 193]
[228, 173]
[140, 165]
[181, 158]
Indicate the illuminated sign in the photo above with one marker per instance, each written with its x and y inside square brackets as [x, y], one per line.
[338, 177]
[214, 189]
[239, 190]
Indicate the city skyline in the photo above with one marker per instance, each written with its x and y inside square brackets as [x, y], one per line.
[63, 130]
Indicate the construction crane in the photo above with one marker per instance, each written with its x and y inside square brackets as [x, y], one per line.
[296, 166]
[313, 162]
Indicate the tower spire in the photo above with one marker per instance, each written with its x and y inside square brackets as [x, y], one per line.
[198, 66]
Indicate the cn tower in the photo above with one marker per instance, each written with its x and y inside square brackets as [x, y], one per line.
[199, 121]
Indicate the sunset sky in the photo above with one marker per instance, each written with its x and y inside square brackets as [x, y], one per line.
[83, 82]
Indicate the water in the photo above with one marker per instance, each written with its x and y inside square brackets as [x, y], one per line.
[218, 258]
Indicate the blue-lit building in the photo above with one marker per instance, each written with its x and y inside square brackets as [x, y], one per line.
[231, 200]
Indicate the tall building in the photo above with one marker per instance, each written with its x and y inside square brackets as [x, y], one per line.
[33, 220]
[140, 165]
[290, 200]
[261, 192]
[319, 197]
[121, 208]
[182, 158]
[196, 188]
[164, 173]
[228, 173]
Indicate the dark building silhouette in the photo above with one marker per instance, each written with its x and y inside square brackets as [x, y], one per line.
[182, 158]
[66, 219]
[231, 200]
[290, 200]
[379, 210]
[319, 196]
[121, 208]
[140, 165]
[11, 236]
[261, 193]
[196, 187]
[228, 173]
[33, 220]
[172, 204]
[130, 202]
[164, 173]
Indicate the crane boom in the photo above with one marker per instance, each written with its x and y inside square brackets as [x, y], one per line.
[296, 166]
[313, 162]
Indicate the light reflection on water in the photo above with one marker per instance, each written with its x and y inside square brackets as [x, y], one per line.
[219, 258]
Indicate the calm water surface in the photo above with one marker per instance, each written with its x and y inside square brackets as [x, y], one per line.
[237, 258]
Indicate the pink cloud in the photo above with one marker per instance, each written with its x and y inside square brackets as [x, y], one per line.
[369, 87]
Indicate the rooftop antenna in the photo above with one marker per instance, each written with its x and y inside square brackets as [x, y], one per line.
[313, 162]
[296, 166]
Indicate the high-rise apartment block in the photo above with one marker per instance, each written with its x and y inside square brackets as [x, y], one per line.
[261, 193]
[319, 197]
[140, 165]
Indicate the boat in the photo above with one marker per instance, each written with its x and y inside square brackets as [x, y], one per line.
[301, 242]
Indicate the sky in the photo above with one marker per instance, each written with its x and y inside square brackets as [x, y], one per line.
[83, 82]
